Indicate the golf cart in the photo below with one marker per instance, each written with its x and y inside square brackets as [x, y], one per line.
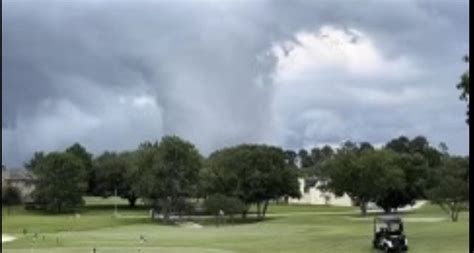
[388, 234]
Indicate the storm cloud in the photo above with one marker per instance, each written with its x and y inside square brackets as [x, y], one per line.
[112, 74]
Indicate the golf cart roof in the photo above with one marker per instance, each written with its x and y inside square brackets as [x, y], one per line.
[388, 219]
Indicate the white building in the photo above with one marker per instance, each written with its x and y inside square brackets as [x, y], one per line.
[19, 178]
[314, 196]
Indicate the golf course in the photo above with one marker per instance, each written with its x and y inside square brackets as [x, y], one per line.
[287, 228]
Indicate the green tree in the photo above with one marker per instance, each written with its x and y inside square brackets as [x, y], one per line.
[365, 146]
[318, 157]
[414, 169]
[363, 176]
[255, 174]
[463, 86]
[117, 174]
[86, 158]
[399, 145]
[11, 196]
[33, 162]
[327, 152]
[350, 146]
[61, 182]
[451, 192]
[170, 173]
[217, 203]
[419, 146]
[291, 157]
[305, 158]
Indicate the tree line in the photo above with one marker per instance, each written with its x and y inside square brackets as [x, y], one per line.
[397, 174]
[170, 175]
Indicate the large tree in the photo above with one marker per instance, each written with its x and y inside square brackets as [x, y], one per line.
[327, 152]
[255, 174]
[304, 158]
[317, 158]
[452, 189]
[419, 147]
[291, 157]
[33, 162]
[10, 196]
[217, 203]
[170, 173]
[364, 176]
[117, 174]
[86, 158]
[463, 86]
[61, 182]
[414, 169]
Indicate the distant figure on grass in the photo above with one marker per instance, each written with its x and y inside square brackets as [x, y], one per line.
[142, 241]
[221, 216]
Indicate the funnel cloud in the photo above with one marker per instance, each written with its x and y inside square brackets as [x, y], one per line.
[112, 74]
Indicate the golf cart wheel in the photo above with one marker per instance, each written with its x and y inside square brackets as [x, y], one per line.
[386, 249]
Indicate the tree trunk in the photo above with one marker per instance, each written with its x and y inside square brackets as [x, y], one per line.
[454, 213]
[259, 210]
[166, 210]
[132, 201]
[265, 208]
[245, 212]
[363, 208]
[454, 216]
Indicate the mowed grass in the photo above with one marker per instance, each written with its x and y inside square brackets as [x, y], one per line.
[288, 229]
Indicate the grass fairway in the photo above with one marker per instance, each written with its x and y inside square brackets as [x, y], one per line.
[289, 229]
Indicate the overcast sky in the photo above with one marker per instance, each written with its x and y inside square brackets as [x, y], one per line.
[112, 74]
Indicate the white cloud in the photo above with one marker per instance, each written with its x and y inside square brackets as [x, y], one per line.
[144, 102]
[333, 49]
[336, 84]
[112, 75]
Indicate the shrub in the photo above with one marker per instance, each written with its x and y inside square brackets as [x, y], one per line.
[229, 205]
[11, 196]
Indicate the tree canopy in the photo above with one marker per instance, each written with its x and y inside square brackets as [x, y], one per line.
[61, 182]
[170, 172]
[463, 86]
[363, 176]
[451, 191]
[255, 174]
[117, 173]
[86, 158]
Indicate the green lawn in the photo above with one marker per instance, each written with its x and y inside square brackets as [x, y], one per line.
[288, 229]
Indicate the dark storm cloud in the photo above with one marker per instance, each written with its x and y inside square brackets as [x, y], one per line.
[112, 74]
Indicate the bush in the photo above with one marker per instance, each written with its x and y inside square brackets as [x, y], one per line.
[11, 196]
[229, 205]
